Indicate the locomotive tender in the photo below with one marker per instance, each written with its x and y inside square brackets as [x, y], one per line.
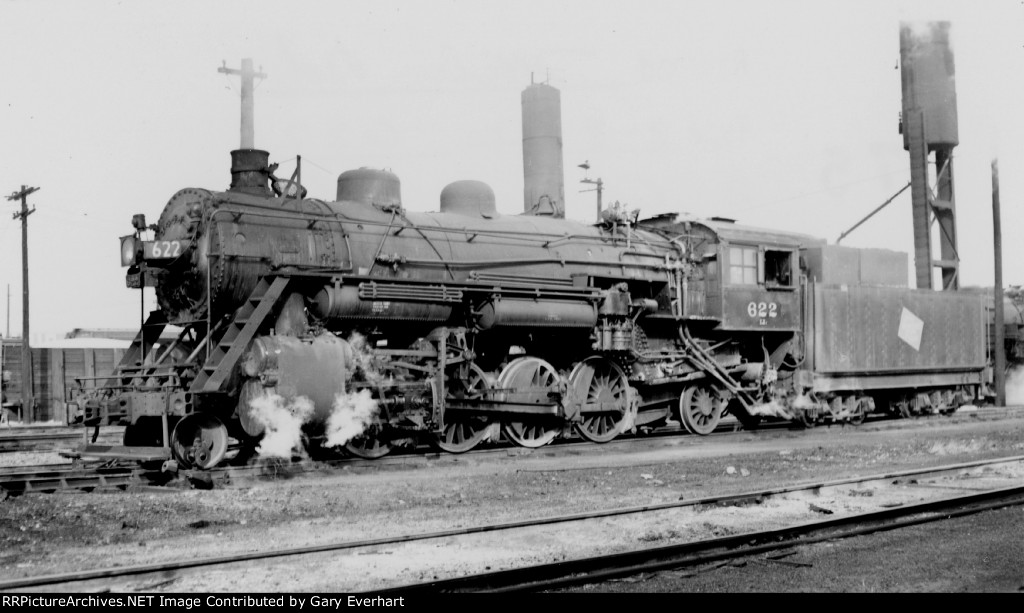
[464, 322]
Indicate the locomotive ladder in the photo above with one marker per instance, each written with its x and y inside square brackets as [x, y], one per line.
[135, 357]
[243, 327]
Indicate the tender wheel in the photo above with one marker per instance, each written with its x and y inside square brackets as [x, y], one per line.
[700, 409]
[368, 446]
[200, 440]
[603, 389]
[951, 401]
[461, 435]
[860, 411]
[805, 419]
[531, 380]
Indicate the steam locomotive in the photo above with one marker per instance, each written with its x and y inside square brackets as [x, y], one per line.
[463, 325]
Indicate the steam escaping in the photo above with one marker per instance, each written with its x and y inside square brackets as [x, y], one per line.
[282, 422]
[775, 408]
[288, 420]
[803, 402]
[353, 412]
[364, 361]
[350, 416]
[770, 409]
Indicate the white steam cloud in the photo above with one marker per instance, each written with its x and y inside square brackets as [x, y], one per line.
[351, 413]
[350, 416]
[771, 409]
[364, 361]
[282, 422]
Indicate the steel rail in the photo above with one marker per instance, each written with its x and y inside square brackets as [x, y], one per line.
[33, 468]
[15, 484]
[29, 442]
[33, 441]
[166, 569]
[14, 473]
[601, 568]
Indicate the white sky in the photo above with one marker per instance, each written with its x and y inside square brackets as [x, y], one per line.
[779, 114]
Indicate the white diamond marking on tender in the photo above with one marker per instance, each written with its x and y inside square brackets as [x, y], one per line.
[911, 328]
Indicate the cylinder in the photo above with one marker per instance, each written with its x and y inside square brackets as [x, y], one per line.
[543, 191]
[293, 368]
[370, 186]
[472, 198]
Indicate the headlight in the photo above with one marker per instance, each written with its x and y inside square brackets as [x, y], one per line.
[129, 250]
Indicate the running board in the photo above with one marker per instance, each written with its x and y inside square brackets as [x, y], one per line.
[135, 357]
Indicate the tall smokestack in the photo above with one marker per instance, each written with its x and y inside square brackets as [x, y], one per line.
[544, 183]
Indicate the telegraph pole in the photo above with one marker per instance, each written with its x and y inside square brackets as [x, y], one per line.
[248, 76]
[999, 324]
[27, 407]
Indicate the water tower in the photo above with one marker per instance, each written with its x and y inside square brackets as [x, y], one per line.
[929, 127]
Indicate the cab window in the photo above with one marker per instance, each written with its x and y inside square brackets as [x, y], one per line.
[742, 265]
[778, 268]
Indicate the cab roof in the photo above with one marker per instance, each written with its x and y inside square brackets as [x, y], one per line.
[727, 230]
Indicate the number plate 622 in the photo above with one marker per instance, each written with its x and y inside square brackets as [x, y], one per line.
[157, 250]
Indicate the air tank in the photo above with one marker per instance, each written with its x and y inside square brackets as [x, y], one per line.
[927, 74]
[370, 186]
[543, 191]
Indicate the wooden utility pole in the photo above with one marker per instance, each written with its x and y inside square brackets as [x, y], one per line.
[998, 323]
[27, 406]
[248, 77]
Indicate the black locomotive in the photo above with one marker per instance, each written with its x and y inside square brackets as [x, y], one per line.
[376, 326]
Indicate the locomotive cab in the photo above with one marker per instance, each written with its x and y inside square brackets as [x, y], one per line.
[753, 278]
[741, 278]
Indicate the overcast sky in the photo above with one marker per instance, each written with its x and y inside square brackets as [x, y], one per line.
[779, 114]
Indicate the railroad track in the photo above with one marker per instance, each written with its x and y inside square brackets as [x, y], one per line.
[56, 477]
[52, 478]
[37, 441]
[44, 438]
[8, 470]
[593, 568]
